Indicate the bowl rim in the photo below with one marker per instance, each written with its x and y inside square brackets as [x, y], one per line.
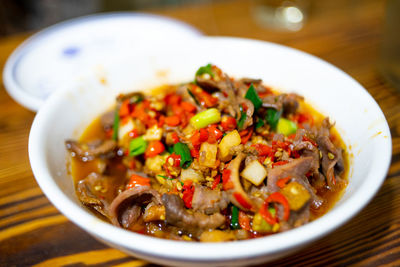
[208, 252]
[32, 102]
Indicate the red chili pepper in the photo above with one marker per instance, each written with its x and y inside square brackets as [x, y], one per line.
[188, 192]
[199, 137]
[124, 110]
[133, 133]
[263, 150]
[244, 221]
[245, 135]
[161, 121]
[189, 107]
[137, 180]
[173, 120]
[175, 137]
[276, 197]
[216, 181]
[174, 160]
[154, 148]
[242, 201]
[172, 99]
[139, 112]
[214, 134]
[228, 123]
[226, 180]
[195, 153]
[281, 183]
[203, 97]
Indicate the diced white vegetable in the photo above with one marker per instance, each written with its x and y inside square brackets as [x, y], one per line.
[255, 172]
[208, 154]
[155, 163]
[227, 142]
[123, 131]
[191, 174]
[153, 134]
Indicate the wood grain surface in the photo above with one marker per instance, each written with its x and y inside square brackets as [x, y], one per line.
[345, 33]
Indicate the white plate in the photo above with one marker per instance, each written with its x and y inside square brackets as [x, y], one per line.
[358, 118]
[58, 54]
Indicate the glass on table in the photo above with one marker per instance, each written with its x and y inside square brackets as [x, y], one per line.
[281, 14]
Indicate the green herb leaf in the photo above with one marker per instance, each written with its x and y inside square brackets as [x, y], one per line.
[259, 123]
[183, 150]
[252, 95]
[272, 117]
[207, 69]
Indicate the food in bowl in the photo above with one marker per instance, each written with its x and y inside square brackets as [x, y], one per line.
[216, 159]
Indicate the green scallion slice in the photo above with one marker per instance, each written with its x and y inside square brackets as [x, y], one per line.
[116, 124]
[235, 218]
[205, 118]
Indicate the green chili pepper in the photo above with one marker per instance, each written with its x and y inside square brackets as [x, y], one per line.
[252, 95]
[259, 123]
[235, 218]
[137, 146]
[272, 117]
[116, 124]
[183, 150]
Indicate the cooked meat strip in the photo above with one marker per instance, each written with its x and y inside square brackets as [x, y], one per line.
[330, 154]
[96, 191]
[88, 151]
[126, 208]
[209, 201]
[296, 219]
[176, 214]
[273, 101]
[135, 96]
[296, 170]
[107, 119]
[249, 113]
[291, 103]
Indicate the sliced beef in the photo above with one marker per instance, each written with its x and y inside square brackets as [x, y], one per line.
[176, 214]
[296, 219]
[332, 159]
[291, 103]
[296, 170]
[126, 208]
[96, 191]
[88, 151]
[249, 113]
[273, 101]
[107, 119]
[209, 201]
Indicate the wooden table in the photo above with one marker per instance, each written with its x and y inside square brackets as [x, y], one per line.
[345, 33]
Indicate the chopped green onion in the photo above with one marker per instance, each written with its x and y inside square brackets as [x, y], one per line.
[272, 117]
[205, 118]
[194, 98]
[170, 149]
[235, 218]
[286, 127]
[243, 117]
[253, 97]
[207, 69]
[259, 123]
[116, 124]
[165, 177]
[137, 146]
[183, 150]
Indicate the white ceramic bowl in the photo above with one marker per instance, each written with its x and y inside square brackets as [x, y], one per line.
[358, 119]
